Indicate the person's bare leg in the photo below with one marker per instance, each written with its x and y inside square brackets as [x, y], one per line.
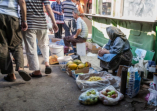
[11, 76]
[37, 72]
[47, 64]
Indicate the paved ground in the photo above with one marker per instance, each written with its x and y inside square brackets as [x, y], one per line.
[54, 92]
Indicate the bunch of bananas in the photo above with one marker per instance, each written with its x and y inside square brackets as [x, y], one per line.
[95, 78]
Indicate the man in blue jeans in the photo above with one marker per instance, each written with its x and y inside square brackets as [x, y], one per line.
[58, 14]
[69, 22]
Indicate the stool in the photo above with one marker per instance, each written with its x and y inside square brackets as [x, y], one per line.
[81, 49]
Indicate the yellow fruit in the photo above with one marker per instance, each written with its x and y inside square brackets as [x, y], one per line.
[72, 66]
[70, 62]
[86, 64]
[80, 66]
[95, 78]
[77, 61]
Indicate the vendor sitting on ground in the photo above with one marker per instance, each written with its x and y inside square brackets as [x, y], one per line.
[81, 34]
[117, 45]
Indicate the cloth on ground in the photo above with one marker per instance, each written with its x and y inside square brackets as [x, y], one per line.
[107, 57]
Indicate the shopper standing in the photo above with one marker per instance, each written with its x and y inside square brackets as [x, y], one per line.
[69, 22]
[57, 10]
[37, 28]
[11, 38]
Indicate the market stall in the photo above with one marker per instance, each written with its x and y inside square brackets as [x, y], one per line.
[136, 19]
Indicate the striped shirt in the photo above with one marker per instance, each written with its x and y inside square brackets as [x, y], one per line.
[9, 7]
[84, 29]
[68, 8]
[35, 15]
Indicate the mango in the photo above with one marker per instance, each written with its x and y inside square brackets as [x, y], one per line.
[72, 66]
[80, 66]
[77, 61]
[70, 62]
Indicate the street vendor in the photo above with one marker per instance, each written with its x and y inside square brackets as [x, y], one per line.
[81, 34]
[117, 50]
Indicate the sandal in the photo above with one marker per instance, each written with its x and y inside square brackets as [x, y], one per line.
[25, 76]
[7, 78]
[48, 70]
[33, 75]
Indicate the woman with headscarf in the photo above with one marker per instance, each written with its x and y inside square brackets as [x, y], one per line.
[116, 52]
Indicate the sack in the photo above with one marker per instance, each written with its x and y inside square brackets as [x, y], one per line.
[107, 79]
[53, 59]
[89, 97]
[108, 100]
[152, 100]
[133, 82]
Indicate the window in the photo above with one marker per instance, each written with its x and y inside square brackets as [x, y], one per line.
[105, 7]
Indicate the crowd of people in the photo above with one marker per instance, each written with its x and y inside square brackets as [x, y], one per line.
[32, 28]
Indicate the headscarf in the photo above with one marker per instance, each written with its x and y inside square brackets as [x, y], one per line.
[114, 32]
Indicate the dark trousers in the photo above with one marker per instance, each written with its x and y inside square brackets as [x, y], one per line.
[73, 41]
[10, 41]
[70, 25]
[59, 33]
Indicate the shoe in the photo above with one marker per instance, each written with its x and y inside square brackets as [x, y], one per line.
[7, 78]
[48, 70]
[33, 75]
[25, 76]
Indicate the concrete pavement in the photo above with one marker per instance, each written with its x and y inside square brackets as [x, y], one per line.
[54, 92]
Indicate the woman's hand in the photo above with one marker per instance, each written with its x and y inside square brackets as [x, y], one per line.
[101, 52]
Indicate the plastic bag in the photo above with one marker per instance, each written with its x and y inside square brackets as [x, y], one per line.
[107, 79]
[110, 100]
[61, 42]
[133, 82]
[89, 97]
[152, 100]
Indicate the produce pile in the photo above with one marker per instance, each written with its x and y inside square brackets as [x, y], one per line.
[110, 96]
[89, 97]
[77, 64]
[110, 93]
[95, 78]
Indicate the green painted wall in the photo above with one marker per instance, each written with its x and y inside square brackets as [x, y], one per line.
[140, 35]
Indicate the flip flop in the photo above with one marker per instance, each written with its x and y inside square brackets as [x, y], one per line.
[33, 75]
[48, 70]
[25, 76]
[7, 78]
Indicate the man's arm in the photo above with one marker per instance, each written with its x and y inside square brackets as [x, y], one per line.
[51, 15]
[23, 11]
[79, 29]
[77, 33]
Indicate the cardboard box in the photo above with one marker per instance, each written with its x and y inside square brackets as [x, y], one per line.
[93, 47]
[53, 59]
[85, 70]
[75, 72]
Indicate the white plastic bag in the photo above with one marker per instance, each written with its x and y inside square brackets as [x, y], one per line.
[89, 97]
[153, 96]
[108, 79]
[108, 100]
